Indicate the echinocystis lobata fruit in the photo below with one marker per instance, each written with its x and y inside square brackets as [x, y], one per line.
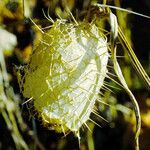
[65, 74]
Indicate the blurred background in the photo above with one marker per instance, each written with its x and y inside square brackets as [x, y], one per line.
[18, 37]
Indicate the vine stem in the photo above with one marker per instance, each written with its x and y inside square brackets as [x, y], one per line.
[114, 30]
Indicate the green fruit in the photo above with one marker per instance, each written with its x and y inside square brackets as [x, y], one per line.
[65, 74]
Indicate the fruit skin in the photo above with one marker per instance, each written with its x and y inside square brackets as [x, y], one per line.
[65, 74]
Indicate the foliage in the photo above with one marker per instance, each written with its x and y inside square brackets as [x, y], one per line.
[113, 108]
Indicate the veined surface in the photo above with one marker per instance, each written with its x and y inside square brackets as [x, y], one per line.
[65, 74]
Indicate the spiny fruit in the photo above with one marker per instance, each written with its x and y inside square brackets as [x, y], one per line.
[65, 74]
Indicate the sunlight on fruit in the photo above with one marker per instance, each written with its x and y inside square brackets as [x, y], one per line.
[74, 61]
[65, 74]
